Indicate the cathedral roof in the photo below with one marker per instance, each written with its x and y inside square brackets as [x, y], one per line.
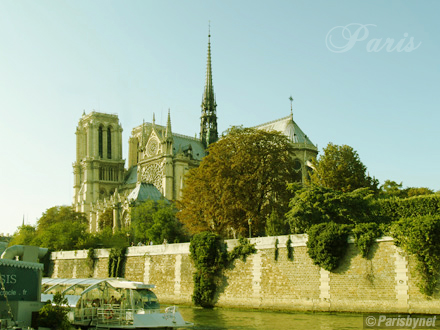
[131, 176]
[143, 192]
[288, 127]
[181, 143]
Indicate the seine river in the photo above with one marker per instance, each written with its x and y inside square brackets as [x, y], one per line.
[265, 320]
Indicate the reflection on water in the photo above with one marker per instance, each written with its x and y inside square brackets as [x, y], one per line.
[264, 320]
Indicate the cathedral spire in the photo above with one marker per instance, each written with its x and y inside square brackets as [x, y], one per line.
[208, 124]
[168, 133]
[143, 134]
[291, 106]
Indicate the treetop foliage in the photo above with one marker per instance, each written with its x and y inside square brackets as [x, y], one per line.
[312, 205]
[340, 168]
[393, 189]
[243, 177]
[59, 228]
[156, 221]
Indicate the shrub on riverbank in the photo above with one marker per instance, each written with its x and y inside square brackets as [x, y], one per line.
[209, 253]
[420, 237]
[327, 244]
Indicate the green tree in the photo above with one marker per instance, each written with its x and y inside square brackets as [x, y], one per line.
[64, 235]
[392, 189]
[419, 191]
[156, 221]
[59, 214]
[276, 225]
[24, 235]
[313, 205]
[59, 228]
[54, 316]
[106, 219]
[106, 238]
[340, 168]
[244, 177]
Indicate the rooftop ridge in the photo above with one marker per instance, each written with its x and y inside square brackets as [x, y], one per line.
[94, 112]
[273, 121]
[161, 127]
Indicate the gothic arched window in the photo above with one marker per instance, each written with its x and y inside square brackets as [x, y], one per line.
[109, 142]
[100, 142]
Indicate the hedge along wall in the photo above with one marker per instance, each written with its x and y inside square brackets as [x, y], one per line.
[385, 283]
[392, 209]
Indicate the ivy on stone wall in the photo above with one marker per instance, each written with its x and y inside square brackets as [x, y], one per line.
[209, 253]
[420, 237]
[289, 249]
[91, 258]
[365, 235]
[327, 244]
[241, 251]
[116, 261]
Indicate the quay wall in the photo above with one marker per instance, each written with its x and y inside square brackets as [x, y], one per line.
[387, 282]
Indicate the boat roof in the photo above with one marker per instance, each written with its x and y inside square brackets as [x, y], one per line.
[89, 283]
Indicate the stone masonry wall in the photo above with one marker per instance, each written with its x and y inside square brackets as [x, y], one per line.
[386, 282]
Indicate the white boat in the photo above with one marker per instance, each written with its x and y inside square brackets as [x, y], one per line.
[112, 303]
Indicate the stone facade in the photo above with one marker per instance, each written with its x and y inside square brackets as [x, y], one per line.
[385, 283]
[157, 157]
[99, 167]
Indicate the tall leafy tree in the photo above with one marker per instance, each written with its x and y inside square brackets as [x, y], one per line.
[340, 168]
[240, 183]
[24, 235]
[156, 222]
[61, 228]
[57, 214]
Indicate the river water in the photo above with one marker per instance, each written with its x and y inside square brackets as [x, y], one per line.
[221, 319]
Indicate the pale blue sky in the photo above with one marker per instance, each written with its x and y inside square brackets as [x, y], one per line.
[59, 58]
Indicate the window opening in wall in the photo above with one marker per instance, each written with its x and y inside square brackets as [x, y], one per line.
[100, 148]
[109, 143]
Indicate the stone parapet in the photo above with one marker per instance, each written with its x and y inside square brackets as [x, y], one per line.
[387, 282]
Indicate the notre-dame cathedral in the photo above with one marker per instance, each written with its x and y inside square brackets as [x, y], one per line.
[158, 158]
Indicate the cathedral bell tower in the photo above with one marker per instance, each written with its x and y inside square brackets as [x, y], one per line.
[208, 124]
[99, 167]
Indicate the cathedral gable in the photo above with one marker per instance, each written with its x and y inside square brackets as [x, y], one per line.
[153, 146]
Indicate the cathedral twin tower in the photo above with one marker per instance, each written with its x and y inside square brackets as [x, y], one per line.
[158, 159]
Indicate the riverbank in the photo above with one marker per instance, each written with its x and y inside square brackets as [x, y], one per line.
[385, 283]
